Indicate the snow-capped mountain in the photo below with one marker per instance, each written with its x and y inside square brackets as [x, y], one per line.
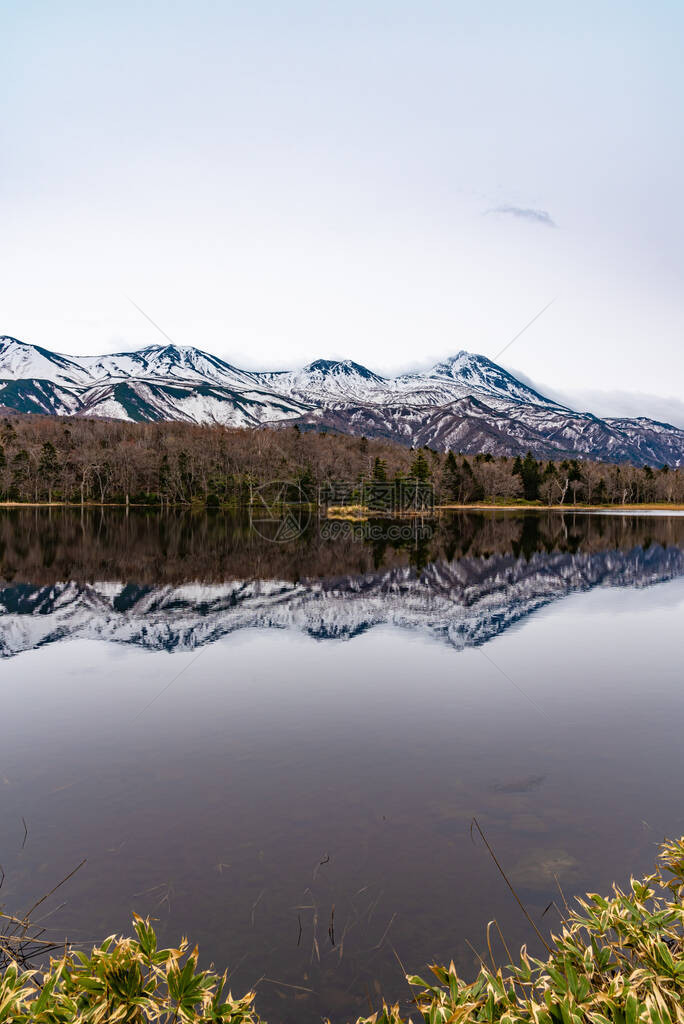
[19, 361]
[466, 403]
[162, 382]
[462, 375]
[327, 380]
[464, 603]
[168, 361]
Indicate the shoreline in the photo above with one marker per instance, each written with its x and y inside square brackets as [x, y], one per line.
[476, 507]
[618, 509]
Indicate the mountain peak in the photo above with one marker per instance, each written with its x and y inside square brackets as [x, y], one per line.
[169, 347]
[480, 376]
[20, 360]
[9, 345]
[340, 367]
[461, 361]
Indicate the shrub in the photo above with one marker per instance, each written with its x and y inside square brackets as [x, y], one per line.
[618, 960]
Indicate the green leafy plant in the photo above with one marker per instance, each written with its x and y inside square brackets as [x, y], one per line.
[617, 960]
[123, 981]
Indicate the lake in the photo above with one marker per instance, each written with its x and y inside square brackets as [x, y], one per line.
[275, 743]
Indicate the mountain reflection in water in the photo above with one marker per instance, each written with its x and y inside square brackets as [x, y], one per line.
[180, 580]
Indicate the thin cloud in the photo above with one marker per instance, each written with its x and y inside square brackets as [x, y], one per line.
[663, 408]
[527, 213]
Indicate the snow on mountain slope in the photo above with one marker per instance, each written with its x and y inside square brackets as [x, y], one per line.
[19, 361]
[465, 374]
[327, 379]
[200, 402]
[466, 403]
[167, 361]
[473, 425]
[40, 396]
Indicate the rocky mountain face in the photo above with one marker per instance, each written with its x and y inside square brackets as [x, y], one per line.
[465, 403]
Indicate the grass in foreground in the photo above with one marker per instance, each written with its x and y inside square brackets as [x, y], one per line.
[617, 959]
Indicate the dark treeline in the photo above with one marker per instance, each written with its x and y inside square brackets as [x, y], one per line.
[80, 461]
[149, 548]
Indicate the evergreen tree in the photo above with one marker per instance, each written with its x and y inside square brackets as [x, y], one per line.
[530, 477]
[48, 467]
[20, 475]
[380, 469]
[186, 474]
[420, 468]
[575, 473]
[453, 481]
[9, 434]
[472, 488]
[307, 485]
[600, 493]
[376, 494]
[164, 478]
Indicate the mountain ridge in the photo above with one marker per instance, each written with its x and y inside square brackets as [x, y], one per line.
[465, 402]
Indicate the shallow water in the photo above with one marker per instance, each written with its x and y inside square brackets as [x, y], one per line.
[241, 735]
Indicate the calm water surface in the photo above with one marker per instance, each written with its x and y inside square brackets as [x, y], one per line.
[241, 735]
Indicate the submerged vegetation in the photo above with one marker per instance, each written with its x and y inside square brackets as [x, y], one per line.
[617, 960]
[91, 461]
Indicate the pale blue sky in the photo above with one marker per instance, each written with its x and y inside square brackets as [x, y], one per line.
[388, 182]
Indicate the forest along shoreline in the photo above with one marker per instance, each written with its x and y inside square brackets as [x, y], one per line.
[51, 461]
